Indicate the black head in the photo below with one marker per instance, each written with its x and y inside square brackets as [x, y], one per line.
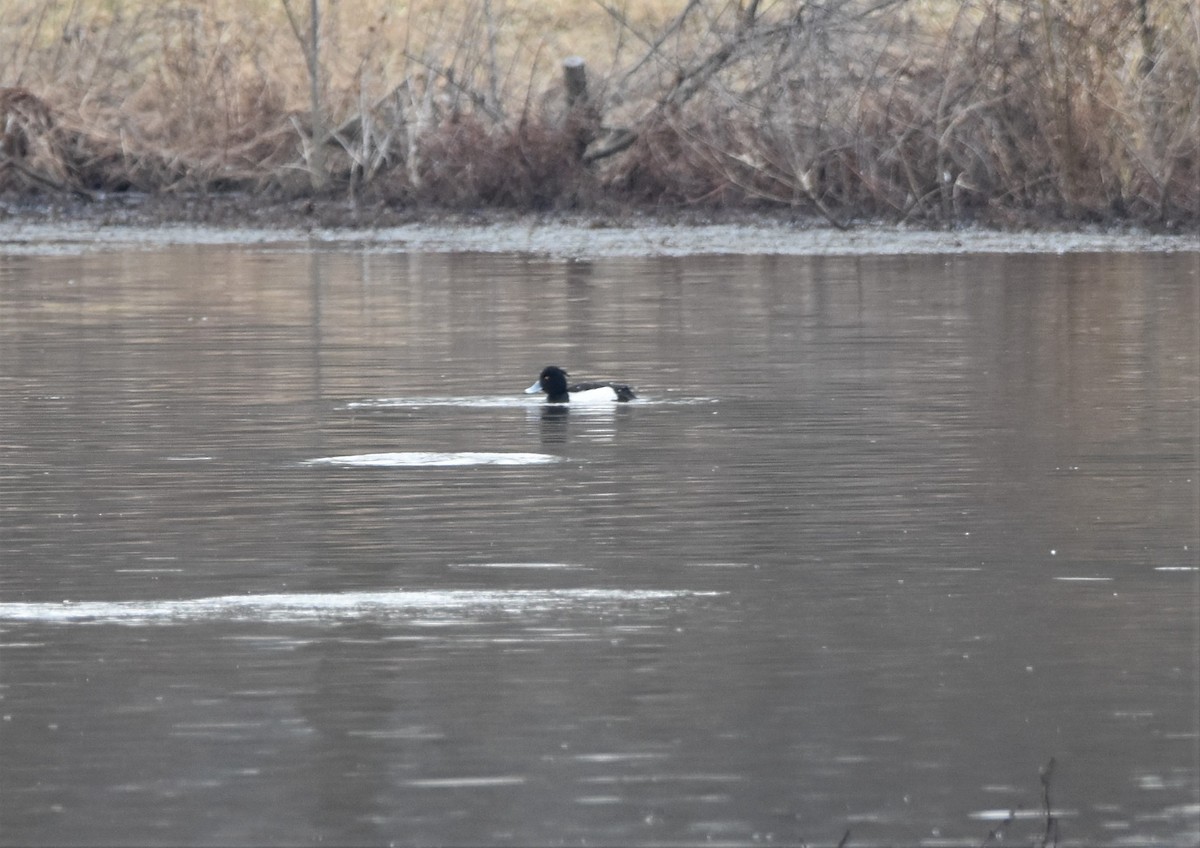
[552, 381]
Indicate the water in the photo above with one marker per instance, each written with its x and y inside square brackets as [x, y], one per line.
[286, 557]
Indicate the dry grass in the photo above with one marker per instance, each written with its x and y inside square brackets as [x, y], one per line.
[1008, 111]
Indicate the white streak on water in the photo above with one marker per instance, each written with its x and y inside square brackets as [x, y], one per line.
[1005, 815]
[411, 459]
[573, 566]
[147, 570]
[466, 782]
[482, 402]
[663, 777]
[598, 800]
[620, 757]
[336, 606]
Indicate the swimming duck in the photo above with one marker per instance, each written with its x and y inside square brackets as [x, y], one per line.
[553, 381]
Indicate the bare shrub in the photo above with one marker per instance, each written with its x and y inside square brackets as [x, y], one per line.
[469, 163]
[1006, 111]
[849, 110]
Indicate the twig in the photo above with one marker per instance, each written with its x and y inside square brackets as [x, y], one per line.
[21, 168]
[822, 207]
[479, 100]
[618, 141]
[619, 16]
[492, 70]
[749, 14]
[692, 81]
[654, 46]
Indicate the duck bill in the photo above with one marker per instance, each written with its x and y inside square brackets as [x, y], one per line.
[536, 387]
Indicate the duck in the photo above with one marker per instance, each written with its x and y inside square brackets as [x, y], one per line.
[553, 381]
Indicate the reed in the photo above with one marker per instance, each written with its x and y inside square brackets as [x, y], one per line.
[1010, 112]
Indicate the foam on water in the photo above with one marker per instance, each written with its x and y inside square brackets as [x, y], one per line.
[408, 459]
[336, 605]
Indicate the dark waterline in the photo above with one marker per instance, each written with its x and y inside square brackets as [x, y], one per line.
[286, 557]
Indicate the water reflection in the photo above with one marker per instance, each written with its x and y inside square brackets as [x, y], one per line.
[881, 537]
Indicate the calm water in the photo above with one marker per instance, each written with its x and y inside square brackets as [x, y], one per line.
[286, 557]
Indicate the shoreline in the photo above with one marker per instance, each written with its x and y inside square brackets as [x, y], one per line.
[155, 223]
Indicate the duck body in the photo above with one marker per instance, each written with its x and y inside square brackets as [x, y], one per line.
[553, 381]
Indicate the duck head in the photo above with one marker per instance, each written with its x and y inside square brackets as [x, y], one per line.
[552, 381]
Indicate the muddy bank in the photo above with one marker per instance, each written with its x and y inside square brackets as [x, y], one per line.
[149, 223]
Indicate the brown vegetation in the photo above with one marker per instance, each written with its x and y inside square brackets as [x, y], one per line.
[1004, 111]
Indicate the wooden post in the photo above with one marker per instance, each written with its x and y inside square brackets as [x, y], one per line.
[584, 121]
[575, 77]
[581, 121]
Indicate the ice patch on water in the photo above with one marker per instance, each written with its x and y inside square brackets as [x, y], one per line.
[411, 459]
[481, 402]
[339, 605]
